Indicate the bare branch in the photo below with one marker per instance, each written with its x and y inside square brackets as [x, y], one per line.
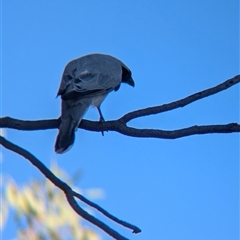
[70, 193]
[104, 212]
[182, 102]
[179, 133]
[28, 125]
[120, 125]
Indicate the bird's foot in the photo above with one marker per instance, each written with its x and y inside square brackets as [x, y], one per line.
[102, 120]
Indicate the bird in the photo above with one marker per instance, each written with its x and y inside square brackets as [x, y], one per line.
[85, 82]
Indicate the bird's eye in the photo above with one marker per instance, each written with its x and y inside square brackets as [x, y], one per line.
[67, 78]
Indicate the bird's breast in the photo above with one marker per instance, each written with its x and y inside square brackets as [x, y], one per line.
[96, 101]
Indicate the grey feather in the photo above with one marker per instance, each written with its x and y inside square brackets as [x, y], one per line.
[86, 81]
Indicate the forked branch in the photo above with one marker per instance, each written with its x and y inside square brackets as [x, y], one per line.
[119, 125]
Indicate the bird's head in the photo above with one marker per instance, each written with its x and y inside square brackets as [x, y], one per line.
[127, 76]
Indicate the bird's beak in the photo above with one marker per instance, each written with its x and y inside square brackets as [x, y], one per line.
[130, 82]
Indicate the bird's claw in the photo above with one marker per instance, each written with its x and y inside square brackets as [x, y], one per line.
[102, 120]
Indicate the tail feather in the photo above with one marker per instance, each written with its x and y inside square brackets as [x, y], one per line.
[71, 117]
[66, 136]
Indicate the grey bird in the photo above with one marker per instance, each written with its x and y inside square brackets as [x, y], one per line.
[86, 81]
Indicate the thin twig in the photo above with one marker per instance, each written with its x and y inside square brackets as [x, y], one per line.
[182, 102]
[107, 214]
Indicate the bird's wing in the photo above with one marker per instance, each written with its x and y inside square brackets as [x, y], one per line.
[90, 76]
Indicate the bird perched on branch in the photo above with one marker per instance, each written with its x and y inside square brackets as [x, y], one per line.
[86, 82]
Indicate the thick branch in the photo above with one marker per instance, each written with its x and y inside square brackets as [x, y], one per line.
[70, 193]
[122, 128]
[120, 125]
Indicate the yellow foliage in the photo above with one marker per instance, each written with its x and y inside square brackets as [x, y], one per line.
[46, 211]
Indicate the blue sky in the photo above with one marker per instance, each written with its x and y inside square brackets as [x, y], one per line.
[186, 188]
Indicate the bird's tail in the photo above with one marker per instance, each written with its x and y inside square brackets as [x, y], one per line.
[70, 119]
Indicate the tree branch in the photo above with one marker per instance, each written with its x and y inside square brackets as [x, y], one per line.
[120, 125]
[70, 193]
[182, 102]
